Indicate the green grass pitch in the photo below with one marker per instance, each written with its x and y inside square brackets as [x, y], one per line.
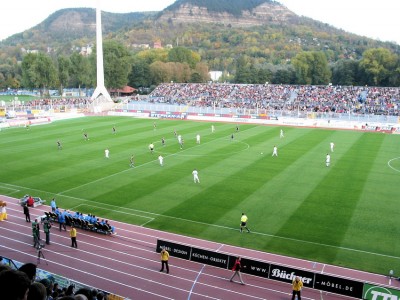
[345, 214]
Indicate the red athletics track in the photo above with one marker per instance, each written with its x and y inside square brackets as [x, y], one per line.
[127, 264]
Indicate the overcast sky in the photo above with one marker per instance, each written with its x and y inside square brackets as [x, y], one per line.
[378, 19]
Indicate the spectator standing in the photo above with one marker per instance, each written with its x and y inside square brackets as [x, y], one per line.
[61, 220]
[26, 213]
[53, 205]
[73, 234]
[297, 285]
[236, 270]
[164, 260]
[243, 223]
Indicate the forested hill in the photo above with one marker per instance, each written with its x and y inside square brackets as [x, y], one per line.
[73, 26]
[251, 41]
[262, 26]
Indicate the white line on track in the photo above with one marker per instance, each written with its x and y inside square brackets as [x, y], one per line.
[102, 257]
[235, 229]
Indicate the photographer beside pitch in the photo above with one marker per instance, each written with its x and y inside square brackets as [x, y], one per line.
[46, 229]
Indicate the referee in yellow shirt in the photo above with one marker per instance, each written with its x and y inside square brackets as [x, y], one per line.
[243, 223]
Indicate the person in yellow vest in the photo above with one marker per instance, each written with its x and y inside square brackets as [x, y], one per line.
[72, 234]
[3, 211]
[164, 260]
[243, 223]
[297, 286]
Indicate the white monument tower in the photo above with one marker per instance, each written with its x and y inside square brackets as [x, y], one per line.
[100, 89]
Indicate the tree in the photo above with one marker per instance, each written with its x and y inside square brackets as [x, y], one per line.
[379, 64]
[183, 55]
[64, 65]
[160, 72]
[39, 71]
[117, 64]
[80, 71]
[243, 72]
[345, 72]
[311, 68]
[140, 74]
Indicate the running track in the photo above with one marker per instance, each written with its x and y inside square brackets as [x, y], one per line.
[128, 265]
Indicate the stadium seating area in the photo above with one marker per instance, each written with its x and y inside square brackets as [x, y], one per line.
[329, 98]
[17, 278]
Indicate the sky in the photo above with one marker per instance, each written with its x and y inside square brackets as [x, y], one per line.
[377, 19]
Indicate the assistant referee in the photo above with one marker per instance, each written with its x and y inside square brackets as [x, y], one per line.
[243, 223]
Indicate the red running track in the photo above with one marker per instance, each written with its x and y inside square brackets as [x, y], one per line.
[127, 263]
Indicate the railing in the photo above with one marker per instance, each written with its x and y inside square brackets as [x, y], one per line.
[359, 117]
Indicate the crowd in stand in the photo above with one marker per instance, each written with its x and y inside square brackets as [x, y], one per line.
[58, 102]
[306, 98]
[22, 284]
[340, 99]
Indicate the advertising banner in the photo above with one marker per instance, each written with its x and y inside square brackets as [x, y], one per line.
[209, 258]
[373, 292]
[286, 274]
[338, 285]
[174, 249]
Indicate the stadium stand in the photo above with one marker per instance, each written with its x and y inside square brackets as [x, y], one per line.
[329, 98]
[54, 289]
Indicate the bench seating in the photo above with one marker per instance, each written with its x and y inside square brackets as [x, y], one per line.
[80, 223]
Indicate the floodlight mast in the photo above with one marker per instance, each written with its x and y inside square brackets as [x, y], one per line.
[100, 88]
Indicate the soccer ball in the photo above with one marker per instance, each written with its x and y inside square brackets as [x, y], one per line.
[261, 153]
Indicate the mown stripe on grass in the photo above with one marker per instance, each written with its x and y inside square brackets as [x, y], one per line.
[325, 212]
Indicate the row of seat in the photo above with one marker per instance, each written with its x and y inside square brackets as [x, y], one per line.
[83, 224]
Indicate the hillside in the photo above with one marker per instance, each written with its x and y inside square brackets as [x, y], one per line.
[251, 41]
[254, 27]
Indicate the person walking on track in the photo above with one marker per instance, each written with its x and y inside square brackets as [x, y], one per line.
[236, 271]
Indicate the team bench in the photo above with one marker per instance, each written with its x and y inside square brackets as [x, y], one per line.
[83, 224]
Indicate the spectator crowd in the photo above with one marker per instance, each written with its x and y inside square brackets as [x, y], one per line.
[329, 98]
[23, 284]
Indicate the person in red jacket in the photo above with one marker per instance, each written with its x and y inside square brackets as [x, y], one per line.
[236, 270]
[30, 201]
